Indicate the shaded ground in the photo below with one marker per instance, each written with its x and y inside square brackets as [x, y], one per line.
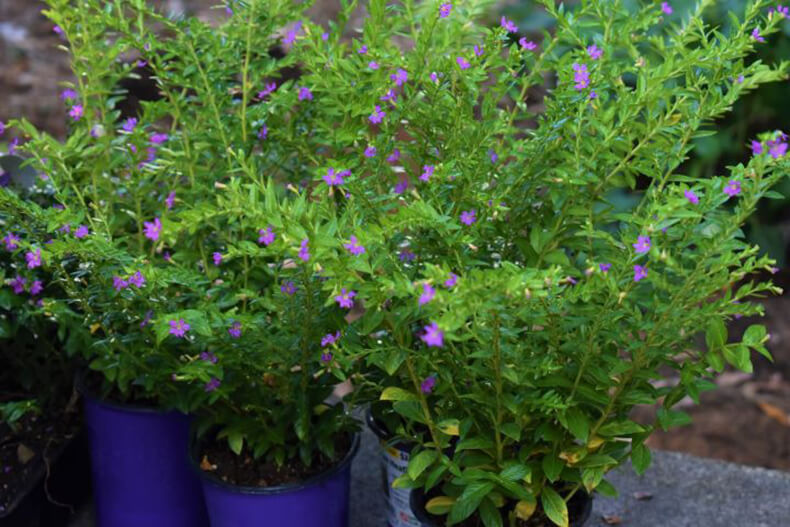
[747, 420]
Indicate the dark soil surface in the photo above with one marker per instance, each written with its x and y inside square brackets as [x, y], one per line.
[242, 470]
[30, 448]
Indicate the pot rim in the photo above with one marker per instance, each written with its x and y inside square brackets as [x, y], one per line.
[88, 395]
[210, 479]
[383, 434]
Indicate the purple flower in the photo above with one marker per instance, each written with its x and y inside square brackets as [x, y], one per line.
[119, 283]
[235, 330]
[334, 178]
[428, 294]
[394, 157]
[452, 281]
[65, 228]
[373, 65]
[581, 76]
[604, 267]
[468, 217]
[782, 10]
[354, 246]
[2, 127]
[304, 250]
[444, 9]
[10, 241]
[76, 112]
[290, 37]
[691, 196]
[462, 63]
[527, 44]
[406, 255]
[146, 319]
[137, 280]
[129, 124]
[362, 50]
[33, 259]
[289, 288]
[326, 357]
[58, 30]
[153, 229]
[593, 95]
[434, 77]
[639, 272]
[170, 200]
[266, 236]
[217, 257]
[427, 172]
[428, 384]
[733, 188]
[212, 385]
[777, 148]
[208, 357]
[401, 186]
[36, 287]
[594, 52]
[179, 328]
[158, 139]
[757, 148]
[18, 284]
[390, 97]
[433, 336]
[400, 77]
[666, 8]
[305, 94]
[325, 36]
[493, 156]
[377, 116]
[478, 50]
[330, 339]
[81, 232]
[68, 94]
[344, 299]
[756, 35]
[263, 133]
[642, 244]
[508, 25]
[267, 90]
[370, 151]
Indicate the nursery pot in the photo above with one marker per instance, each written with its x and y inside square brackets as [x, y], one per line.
[395, 460]
[319, 501]
[140, 467]
[579, 509]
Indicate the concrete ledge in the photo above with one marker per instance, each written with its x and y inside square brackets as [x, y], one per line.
[685, 491]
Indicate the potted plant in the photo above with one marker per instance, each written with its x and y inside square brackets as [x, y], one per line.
[543, 270]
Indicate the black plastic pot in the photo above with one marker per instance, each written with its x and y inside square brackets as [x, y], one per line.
[68, 484]
[580, 504]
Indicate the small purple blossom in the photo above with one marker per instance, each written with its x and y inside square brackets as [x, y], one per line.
[757, 148]
[266, 236]
[208, 357]
[330, 339]
[344, 299]
[777, 147]
[137, 280]
[642, 244]
[363, 49]
[153, 229]
[400, 77]
[666, 8]
[325, 36]
[390, 97]
[304, 250]
[10, 241]
[756, 35]
[81, 232]
[444, 9]
[76, 112]
[179, 328]
[401, 186]
[33, 259]
[468, 217]
[373, 65]
[406, 255]
[370, 151]
[604, 267]
[427, 172]
[235, 330]
[527, 44]
[68, 94]
[462, 63]
[493, 156]
[354, 247]
[581, 76]
[18, 284]
[119, 283]
[289, 288]
[434, 77]
[267, 90]
[428, 384]
[212, 385]
[594, 52]
[377, 116]
[57, 30]
[170, 200]
[691, 196]
[394, 156]
[326, 357]
[452, 281]
[305, 94]
[508, 24]
[428, 294]
[158, 138]
[146, 319]
[639, 272]
[433, 336]
[290, 36]
[217, 257]
[263, 133]
[335, 177]
[36, 287]
[129, 124]
[733, 188]
[478, 50]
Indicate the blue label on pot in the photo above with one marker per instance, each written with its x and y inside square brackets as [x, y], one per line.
[398, 508]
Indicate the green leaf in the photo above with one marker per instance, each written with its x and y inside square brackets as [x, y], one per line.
[514, 472]
[640, 458]
[490, 514]
[672, 418]
[620, 428]
[235, 442]
[716, 334]
[554, 506]
[393, 393]
[577, 424]
[552, 467]
[469, 501]
[420, 462]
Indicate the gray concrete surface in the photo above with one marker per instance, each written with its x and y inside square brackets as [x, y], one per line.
[685, 492]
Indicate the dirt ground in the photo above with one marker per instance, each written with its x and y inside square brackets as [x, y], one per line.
[746, 420]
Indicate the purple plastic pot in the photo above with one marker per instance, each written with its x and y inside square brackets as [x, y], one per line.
[320, 501]
[140, 467]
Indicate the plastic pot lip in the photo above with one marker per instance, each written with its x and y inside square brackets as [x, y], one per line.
[279, 489]
[83, 390]
[382, 432]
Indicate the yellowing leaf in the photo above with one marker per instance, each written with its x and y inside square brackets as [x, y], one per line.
[95, 327]
[525, 509]
[570, 457]
[449, 427]
[393, 393]
[439, 505]
[594, 442]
